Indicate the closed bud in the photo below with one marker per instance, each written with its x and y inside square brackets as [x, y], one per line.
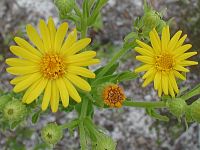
[104, 142]
[4, 100]
[151, 19]
[195, 113]
[14, 111]
[64, 6]
[52, 133]
[177, 107]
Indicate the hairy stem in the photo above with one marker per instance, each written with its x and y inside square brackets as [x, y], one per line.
[145, 104]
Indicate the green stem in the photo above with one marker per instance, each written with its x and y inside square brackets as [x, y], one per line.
[77, 10]
[193, 92]
[145, 104]
[113, 60]
[73, 123]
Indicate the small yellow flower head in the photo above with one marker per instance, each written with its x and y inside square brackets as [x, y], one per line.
[195, 113]
[164, 60]
[113, 95]
[177, 107]
[52, 133]
[14, 111]
[53, 65]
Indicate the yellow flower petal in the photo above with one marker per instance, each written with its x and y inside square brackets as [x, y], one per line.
[79, 82]
[36, 91]
[177, 52]
[27, 82]
[30, 89]
[22, 70]
[178, 75]
[18, 79]
[143, 68]
[173, 82]
[72, 91]
[19, 62]
[71, 39]
[52, 31]
[145, 59]
[155, 42]
[34, 37]
[45, 35]
[76, 47]
[181, 41]
[157, 80]
[143, 51]
[149, 73]
[80, 71]
[180, 68]
[47, 96]
[165, 39]
[174, 40]
[60, 35]
[63, 91]
[188, 63]
[21, 52]
[24, 44]
[186, 56]
[144, 45]
[80, 57]
[87, 62]
[165, 83]
[171, 90]
[54, 101]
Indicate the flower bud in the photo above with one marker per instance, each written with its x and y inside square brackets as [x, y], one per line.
[151, 19]
[64, 6]
[177, 107]
[195, 113]
[4, 100]
[14, 111]
[104, 142]
[112, 94]
[52, 133]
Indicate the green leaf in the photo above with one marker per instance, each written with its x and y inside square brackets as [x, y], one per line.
[126, 76]
[110, 71]
[191, 93]
[151, 112]
[36, 116]
[132, 35]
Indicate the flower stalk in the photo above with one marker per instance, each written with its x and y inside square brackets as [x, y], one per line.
[159, 104]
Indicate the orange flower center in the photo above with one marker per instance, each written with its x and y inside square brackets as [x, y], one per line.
[113, 96]
[164, 62]
[52, 66]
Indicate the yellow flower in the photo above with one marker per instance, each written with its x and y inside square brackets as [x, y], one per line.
[52, 66]
[164, 60]
[113, 95]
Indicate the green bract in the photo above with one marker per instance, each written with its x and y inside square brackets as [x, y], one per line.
[177, 107]
[14, 111]
[195, 111]
[52, 133]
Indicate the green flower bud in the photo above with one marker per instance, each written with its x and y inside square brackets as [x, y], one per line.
[4, 100]
[151, 19]
[177, 107]
[14, 111]
[104, 142]
[52, 133]
[64, 6]
[195, 113]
